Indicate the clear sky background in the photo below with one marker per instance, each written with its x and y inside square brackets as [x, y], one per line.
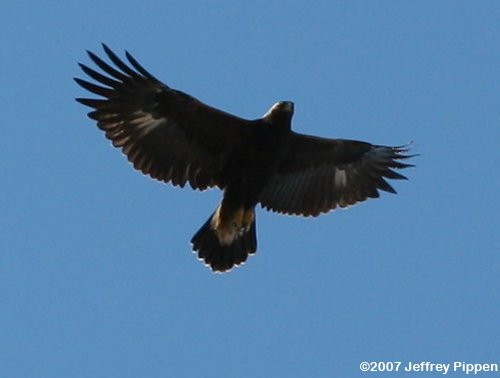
[96, 274]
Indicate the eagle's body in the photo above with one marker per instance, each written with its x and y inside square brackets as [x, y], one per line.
[175, 138]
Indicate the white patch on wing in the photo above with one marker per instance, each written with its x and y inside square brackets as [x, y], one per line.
[340, 177]
[145, 122]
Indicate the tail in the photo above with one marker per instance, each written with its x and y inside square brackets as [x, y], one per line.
[223, 243]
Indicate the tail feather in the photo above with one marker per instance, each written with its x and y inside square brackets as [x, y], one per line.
[219, 256]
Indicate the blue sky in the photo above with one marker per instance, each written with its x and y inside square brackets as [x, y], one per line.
[97, 277]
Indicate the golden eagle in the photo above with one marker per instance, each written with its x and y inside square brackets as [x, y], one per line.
[173, 137]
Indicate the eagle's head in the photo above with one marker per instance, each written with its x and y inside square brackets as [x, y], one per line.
[280, 114]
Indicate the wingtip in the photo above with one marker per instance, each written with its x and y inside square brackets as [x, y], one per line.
[108, 50]
[91, 55]
[105, 47]
[82, 101]
[403, 149]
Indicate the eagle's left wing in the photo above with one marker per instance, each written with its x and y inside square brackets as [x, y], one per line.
[315, 175]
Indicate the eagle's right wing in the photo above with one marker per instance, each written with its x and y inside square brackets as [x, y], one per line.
[165, 133]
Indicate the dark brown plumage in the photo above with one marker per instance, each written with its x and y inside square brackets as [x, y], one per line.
[175, 138]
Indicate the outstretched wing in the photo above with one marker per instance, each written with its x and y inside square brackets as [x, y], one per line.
[165, 133]
[315, 175]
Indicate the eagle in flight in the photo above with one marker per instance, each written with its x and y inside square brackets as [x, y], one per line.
[173, 137]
